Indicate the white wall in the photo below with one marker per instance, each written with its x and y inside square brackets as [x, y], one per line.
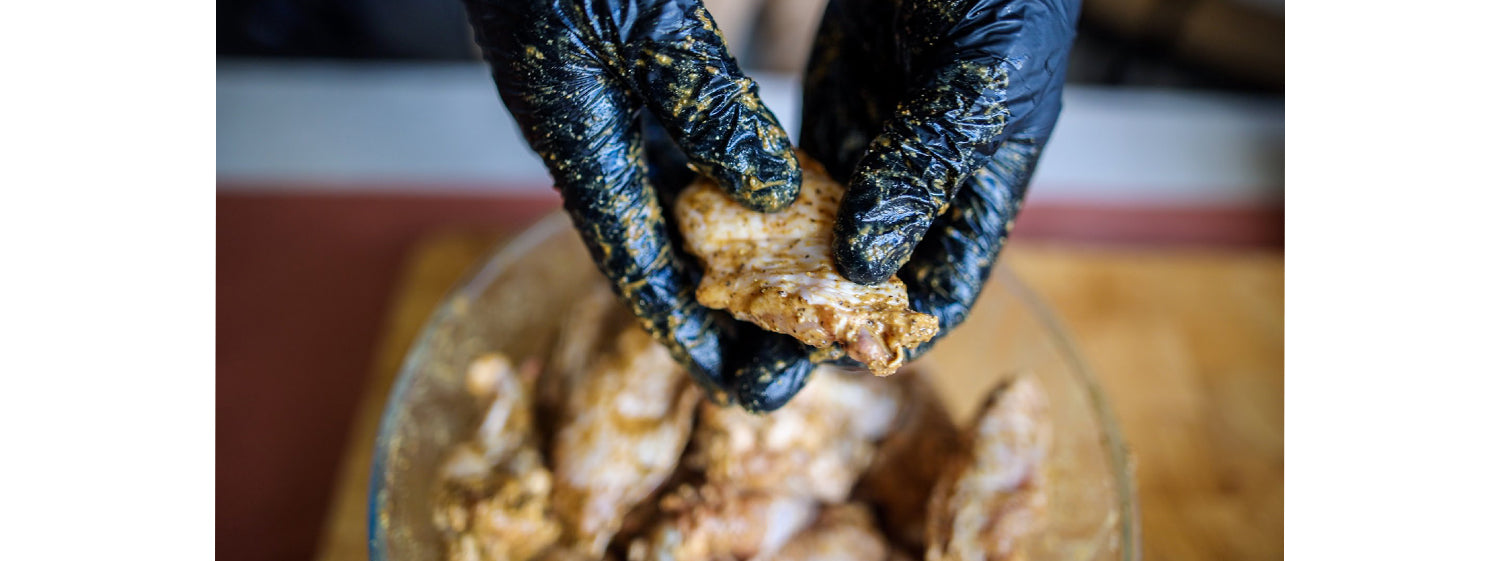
[441, 126]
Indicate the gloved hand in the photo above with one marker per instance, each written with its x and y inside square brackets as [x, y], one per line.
[576, 74]
[934, 113]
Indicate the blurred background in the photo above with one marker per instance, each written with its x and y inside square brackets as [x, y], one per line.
[350, 130]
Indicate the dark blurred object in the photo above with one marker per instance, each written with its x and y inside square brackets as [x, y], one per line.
[356, 29]
[1204, 44]
[1235, 45]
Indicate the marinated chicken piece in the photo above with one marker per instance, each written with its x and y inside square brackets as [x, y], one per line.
[493, 503]
[647, 512]
[816, 446]
[712, 522]
[842, 532]
[585, 335]
[899, 555]
[558, 553]
[623, 430]
[995, 493]
[909, 461]
[776, 270]
[636, 520]
[506, 518]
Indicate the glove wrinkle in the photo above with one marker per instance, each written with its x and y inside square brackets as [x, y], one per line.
[934, 112]
[903, 99]
[699, 94]
[575, 75]
[950, 266]
[780, 369]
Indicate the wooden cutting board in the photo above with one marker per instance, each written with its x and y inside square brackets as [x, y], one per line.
[1186, 343]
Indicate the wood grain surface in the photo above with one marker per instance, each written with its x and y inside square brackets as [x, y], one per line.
[1186, 343]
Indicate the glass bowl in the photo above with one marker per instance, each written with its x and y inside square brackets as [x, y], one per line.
[511, 303]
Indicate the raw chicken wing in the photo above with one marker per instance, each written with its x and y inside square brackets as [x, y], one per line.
[494, 504]
[623, 430]
[776, 270]
[817, 445]
[842, 532]
[712, 522]
[994, 494]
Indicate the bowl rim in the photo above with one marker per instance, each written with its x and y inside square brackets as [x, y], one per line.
[472, 281]
[479, 275]
[1121, 461]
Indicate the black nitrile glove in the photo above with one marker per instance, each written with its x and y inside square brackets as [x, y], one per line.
[576, 74]
[934, 113]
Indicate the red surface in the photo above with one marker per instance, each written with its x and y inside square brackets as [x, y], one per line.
[1223, 226]
[303, 284]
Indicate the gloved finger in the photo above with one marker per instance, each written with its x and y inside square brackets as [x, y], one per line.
[851, 84]
[944, 277]
[666, 169]
[666, 165]
[951, 265]
[582, 121]
[679, 66]
[933, 143]
[981, 70]
[772, 369]
[622, 222]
